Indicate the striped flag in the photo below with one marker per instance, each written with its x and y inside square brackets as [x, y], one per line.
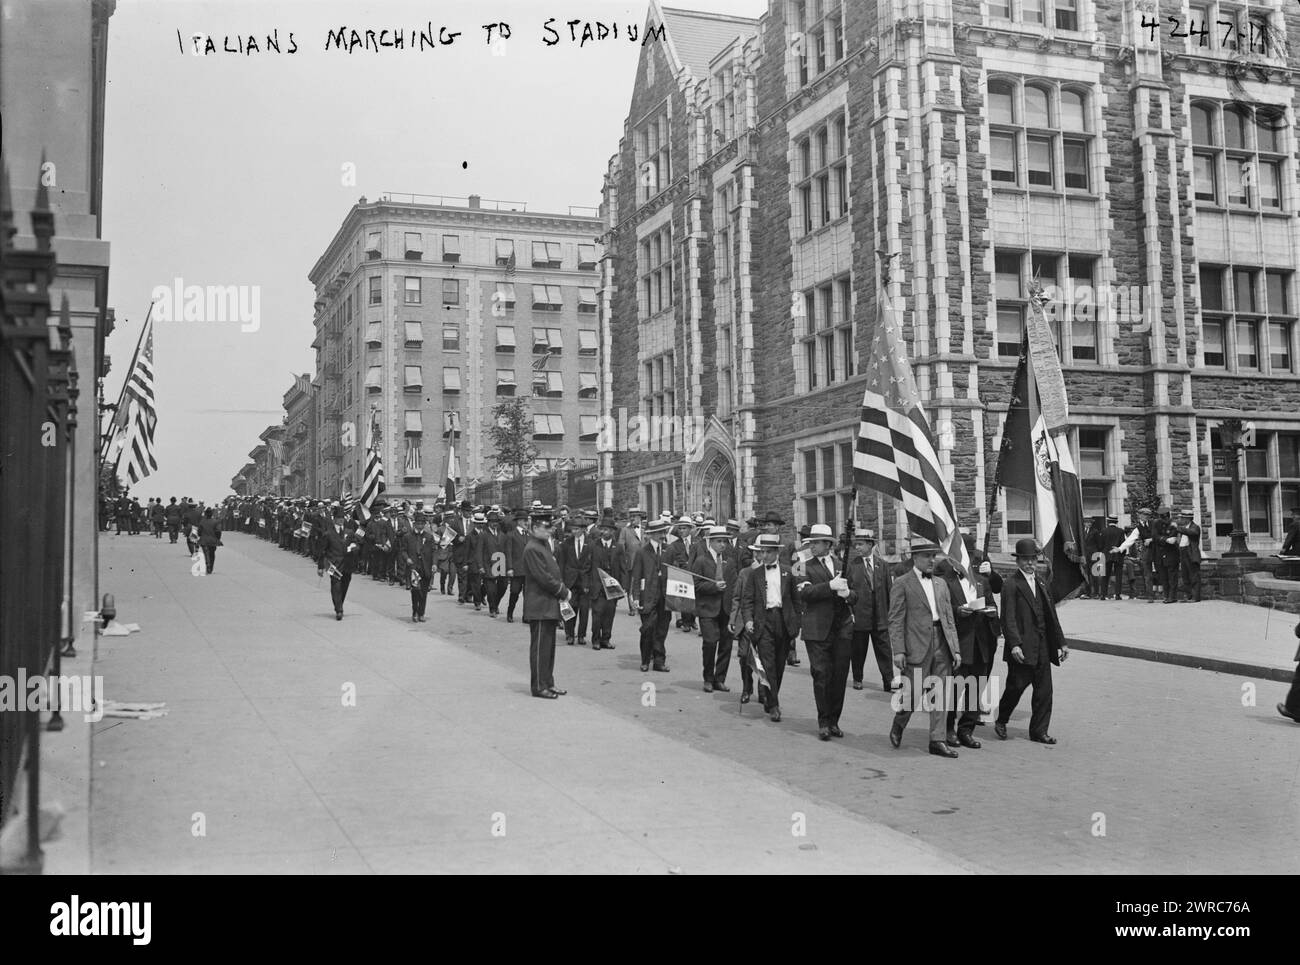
[679, 590]
[895, 453]
[449, 490]
[373, 484]
[1035, 457]
[510, 264]
[138, 421]
[412, 465]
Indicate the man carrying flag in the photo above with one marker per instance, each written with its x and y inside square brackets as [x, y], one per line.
[769, 620]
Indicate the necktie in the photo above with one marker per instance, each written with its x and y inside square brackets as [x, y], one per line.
[579, 553]
[717, 565]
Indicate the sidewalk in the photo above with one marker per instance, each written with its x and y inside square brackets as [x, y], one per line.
[443, 748]
[1211, 635]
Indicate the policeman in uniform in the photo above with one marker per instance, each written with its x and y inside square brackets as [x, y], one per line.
[543, 591]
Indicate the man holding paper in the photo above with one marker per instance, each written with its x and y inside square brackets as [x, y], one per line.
[715, 583]
[975, 615]
[607, 564]
[827, 628]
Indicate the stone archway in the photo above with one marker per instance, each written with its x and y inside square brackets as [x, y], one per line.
[710, 474]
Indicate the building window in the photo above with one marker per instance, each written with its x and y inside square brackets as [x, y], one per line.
[506, 383]
[548, 341]
[1019, 514]
[1250, 327]
[826, 490]
[505, 252]
[827, 334]
[546, 254]
[503, 299]
[374, 378]
[451, 248]
[451, 338]
[414, 246]
[547, 298]
[376, 290]
[1096, 476]
[414, 422]
[1040, 135]
[451, 380]
[586, 257]
[588, 428]
[548, 428]
[414, 334]
[823, 184]
[654, 264]
[1067, 14]
[374, 334]
[1238, 155]
[587, 301]
[411, 287]
[658, 398]
[587, 347]
[1272, 478]
[816, 38]
[587, 386]
[548, 385]
[505, 340]
[653, 161]
[1071, 310]
[1009, 288]
[413, 380]
[450, 291]
[373, 245]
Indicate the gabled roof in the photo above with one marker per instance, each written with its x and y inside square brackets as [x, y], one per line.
[697, 37]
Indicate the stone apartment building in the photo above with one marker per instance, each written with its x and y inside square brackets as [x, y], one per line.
[1144, 175]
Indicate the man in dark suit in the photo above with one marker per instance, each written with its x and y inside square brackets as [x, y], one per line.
[681, 554]
[516, 540]
[173, 520]
[607, 555]
[462, 526]
[543, 591]
[715, 586]
[416, 553]
[493, 562]
[870, 578]
[1291, 545]
[925, 644]
[1165, 537]
[975, 616]
[828, 602]
[209, 538]
[647, 592]
[1290, 708]
[338, 551]
[1189, 554]
[1034, 643]
[1112, 538]
[574, 558]
[769, 618]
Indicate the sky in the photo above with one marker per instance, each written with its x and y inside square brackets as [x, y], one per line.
[230, 169]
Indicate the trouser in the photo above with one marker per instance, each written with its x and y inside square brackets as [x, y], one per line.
[494, 587]
[602, 618]
[715, 648]
[516, 588]
[654, 632]
[210, 556]
[474, 590]
[339, 590]
[1115, 573]
[828, 664]
[581, 613]
[419, 598]
[972, 677]
[1169, 578]
[157, 529]
[541, 654]
[773, 648]
[123, 523]
[1149, 572]
[877, 640]
[1191, 573]
[191, 543]
[466, 594]
[1292, 702]
[173, 530]
[135, 525]
[938, 667]
[1020, 676]
[686, 621]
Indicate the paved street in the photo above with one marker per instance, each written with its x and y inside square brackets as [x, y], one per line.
[444, 740]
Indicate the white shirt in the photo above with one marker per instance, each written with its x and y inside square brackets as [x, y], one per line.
[828, 561]
[1033, 582]
[577, 545]
[927, 584]
[773, 580]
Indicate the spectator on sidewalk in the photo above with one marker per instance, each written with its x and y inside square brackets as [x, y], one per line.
[1165, 545]
[1111, 541]
[1291, 545]
[544, 590]
[209, 538]
[1189, 555]
[1290, 708]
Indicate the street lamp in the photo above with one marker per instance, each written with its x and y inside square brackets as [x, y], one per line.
[1231, 433]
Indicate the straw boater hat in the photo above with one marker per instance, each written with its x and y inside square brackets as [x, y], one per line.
[862, 532]
[540, 513]
[719, 532]
[766, 541]
[657, 527]
[818, 532]
[919, 546]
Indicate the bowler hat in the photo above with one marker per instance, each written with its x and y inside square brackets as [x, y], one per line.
[1026, 547]
[773, 517]
[918, 546]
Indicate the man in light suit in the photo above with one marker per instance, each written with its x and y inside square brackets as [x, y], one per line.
[827, 624]
[1034, 643]
[925, 644]
[768, 617]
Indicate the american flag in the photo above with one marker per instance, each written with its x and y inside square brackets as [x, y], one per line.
[895, 453]
[373, 484]
[510, 264]
[139, 417]
[412, 467]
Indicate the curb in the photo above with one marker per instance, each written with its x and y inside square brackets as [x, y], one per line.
[1195, 661]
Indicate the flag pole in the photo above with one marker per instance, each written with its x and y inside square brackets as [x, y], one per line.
[107, 439]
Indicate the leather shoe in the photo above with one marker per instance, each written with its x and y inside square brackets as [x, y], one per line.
[824, 734]
[776, 715]
[857, 685]
[645, 668]
[896, 734]
[558, 692]
[1043, 739]
[582, 641]
[721, 688]
[708, 687]
[951, 738]
[745, 697]
[569, 640]
[940, 749]
[547, 694]
[338, 614]
[509, 618]
[835, 731]
[1281, 709]
[966, 740]
[662, 668]
[1000, 729]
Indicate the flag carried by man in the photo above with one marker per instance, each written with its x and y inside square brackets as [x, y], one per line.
[1035, 458]
[449, 485]
[895, 453]
[137, 415]
[679, 590]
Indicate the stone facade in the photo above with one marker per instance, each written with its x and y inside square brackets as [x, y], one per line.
[981, 151]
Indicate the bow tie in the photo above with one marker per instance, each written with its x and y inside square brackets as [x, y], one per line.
[772, 566]
[926, 576]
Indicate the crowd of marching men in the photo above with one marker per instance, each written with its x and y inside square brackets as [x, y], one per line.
[751, 590]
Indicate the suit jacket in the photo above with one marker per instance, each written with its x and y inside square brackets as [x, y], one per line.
[612, 561]
[1192, 551]
[1165, 552]
[338, 548]
[680, 553]
[575, 568]
[825, 612]
[1022, 630]
[709, 600]
[1291, 545]
[630, 542]
[977, 633]
[543, 588]
[911, 624]
[871, 611]
[209, 532]
[490, 552]
[173, 512]
[515, 543]
[417, 551]
[753, 600]
[461, 551]
[647, 579]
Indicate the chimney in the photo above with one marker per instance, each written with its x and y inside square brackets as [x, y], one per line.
[475, 200]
